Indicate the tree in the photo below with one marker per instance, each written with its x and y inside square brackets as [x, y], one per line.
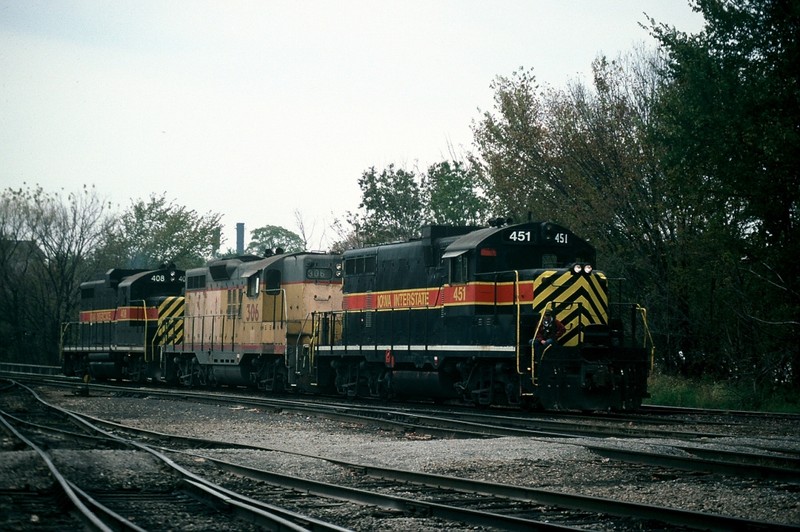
[610, 180]
[585, 156]
[512, 158]
[580, 156]
[152, 232]
[46, 243]
[449, 192]
[272, 237]
[391, 207]
[729, 131]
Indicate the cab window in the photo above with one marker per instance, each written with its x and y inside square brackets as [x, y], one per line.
[253, 285]
[459, 269]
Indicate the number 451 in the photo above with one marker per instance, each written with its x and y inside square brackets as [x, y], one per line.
[520, 236]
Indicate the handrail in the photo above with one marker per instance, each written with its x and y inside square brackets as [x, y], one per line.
[518, 316]
[533, 350]
[312, 345]
[144, 342]
[64, 327]
[297, 345]
[648, 336]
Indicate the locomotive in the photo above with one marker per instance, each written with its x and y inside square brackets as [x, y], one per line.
[125, 320]
[452, 315]
[448, 316]
[248, 322]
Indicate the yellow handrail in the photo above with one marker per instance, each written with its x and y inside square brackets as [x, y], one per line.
[519, 312]
[144, 344]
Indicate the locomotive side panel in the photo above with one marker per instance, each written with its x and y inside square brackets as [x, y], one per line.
[170, 329]
[203, 319]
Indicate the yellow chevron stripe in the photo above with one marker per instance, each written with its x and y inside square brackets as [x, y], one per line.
[578, 300]
[170, 321]
[171, 307]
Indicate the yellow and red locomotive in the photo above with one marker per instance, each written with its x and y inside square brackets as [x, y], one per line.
[452, 315]
[248, 320]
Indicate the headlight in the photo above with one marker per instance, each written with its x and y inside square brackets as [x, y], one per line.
[587, 269]
[576, 268]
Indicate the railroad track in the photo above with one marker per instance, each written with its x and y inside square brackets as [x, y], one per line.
[450, 421]
[680, 421]
[98, 504]
[445, 499]
[683, 454]
[771, 460]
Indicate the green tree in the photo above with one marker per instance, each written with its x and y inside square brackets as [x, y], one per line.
[391, 207]
[729, 131]
[580, 155]
[449, 190]
[585, 156]
[272, 237]
[395, 204]
[512, 150]
[155, 231]
[608, 174]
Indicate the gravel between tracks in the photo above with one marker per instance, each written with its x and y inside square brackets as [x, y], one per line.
[551, 465]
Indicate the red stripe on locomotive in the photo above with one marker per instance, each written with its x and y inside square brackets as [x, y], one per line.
[466, 294]
[119, 314]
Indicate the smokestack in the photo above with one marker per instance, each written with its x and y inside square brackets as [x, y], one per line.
[240, 238]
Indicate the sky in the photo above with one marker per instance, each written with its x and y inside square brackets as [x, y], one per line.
[268, 111]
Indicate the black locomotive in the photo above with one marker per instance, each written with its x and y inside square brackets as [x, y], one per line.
[453, 315]
[125, 320]
[458, 314]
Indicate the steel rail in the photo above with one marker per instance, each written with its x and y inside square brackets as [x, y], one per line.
[78, 499]
[684, 410]
[736, 463]
[244, 507]
[741, 464]
[389, 502]
[787, 472]
[471, 425]
[669, 515]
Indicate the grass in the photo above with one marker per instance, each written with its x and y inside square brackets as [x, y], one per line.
[726, 395]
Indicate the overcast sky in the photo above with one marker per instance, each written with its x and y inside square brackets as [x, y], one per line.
[258, 109]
